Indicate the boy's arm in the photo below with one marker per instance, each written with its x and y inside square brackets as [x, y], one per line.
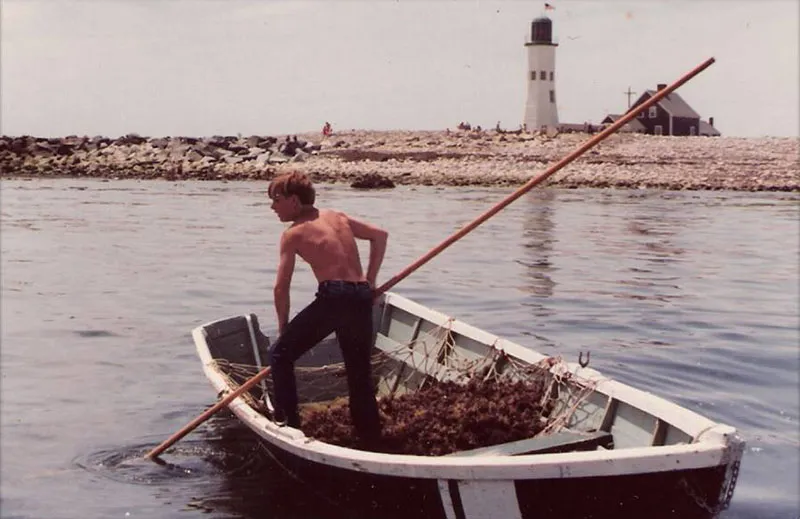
[283, 280]
[378, 239]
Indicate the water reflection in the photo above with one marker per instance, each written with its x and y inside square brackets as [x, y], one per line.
[538, 240]
[653, 231]
[644, 251]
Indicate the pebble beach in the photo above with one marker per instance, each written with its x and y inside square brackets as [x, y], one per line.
[381, 159]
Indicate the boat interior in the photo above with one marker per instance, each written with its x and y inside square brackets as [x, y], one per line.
[415, 346]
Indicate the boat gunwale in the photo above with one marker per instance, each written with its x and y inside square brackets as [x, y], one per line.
[530, 466]
[715, 444]
[692, 423]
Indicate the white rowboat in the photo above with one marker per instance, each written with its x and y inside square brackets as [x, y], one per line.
[620, 452]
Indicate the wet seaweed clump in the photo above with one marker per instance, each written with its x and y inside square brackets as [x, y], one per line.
[441, 418]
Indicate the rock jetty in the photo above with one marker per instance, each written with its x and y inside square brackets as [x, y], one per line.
[383, 159]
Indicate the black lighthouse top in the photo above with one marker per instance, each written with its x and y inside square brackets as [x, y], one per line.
[542, 31]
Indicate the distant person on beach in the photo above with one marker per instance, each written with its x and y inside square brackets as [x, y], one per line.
[326, 129]
[326, 240]
[290, 146]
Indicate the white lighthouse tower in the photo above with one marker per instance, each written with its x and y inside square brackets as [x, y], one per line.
[540, 108]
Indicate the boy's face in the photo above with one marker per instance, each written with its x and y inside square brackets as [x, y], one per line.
[286, 207]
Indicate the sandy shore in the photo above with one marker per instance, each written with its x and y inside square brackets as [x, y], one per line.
[385, 158]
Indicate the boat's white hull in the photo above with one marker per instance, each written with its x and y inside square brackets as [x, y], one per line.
[690, 472]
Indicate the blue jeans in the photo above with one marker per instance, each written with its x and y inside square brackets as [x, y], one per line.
[343, 307]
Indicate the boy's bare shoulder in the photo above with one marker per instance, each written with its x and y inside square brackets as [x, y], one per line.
[329, 212]
[288, 235]
[332, 214]
[293, 233]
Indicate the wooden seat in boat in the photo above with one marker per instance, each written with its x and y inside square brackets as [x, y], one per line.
[563, 441]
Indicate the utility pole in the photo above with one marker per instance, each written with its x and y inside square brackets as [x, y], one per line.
[629, 94]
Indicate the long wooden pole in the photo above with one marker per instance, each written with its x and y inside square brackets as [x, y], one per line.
[543, 176]
[166, 444]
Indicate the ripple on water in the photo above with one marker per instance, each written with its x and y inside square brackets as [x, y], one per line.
[190, 460]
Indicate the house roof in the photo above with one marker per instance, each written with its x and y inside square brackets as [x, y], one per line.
[672, 103]
[632, 126]
[705, 128]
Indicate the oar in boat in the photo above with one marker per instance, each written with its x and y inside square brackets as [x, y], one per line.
[166, 444]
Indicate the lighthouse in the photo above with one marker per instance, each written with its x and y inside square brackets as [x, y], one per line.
[540, 107]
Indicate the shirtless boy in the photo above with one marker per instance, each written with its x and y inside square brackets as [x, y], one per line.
[326, 240]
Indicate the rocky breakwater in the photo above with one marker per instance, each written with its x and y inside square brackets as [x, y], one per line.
[133, 156]
[387, 158]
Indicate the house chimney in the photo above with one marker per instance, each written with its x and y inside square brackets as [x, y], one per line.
[662, 86]
[711, 121]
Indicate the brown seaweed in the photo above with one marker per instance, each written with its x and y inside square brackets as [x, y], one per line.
[441, 418]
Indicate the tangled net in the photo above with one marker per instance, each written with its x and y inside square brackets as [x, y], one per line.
[481, 402]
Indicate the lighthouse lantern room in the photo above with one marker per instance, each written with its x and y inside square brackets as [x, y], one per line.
[540, 107]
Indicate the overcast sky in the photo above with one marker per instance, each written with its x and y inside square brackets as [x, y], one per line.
[205, 67]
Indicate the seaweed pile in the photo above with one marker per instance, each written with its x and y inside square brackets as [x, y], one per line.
[442, 418]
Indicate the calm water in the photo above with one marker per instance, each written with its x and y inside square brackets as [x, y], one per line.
[693, 296]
